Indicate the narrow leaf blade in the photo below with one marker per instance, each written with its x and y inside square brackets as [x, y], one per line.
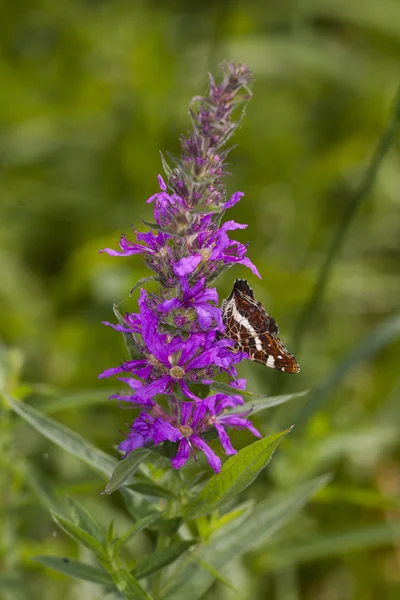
[126, 468]
[161, 558]
[75, 568]
[236, 474]
[129, 586]
[85, 521]
[65, 438]
[77, 399]
[138, 526]
[264, 402]
[79, 535]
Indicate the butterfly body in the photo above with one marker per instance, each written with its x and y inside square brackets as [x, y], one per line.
[254, 330]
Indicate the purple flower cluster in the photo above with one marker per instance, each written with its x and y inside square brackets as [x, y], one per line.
[177, 336]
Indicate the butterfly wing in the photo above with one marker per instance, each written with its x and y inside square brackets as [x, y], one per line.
[254, 330]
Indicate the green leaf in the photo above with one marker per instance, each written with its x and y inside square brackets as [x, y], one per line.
[161, 558]
[126, 468]
[233, 541]
[111, 533]
[132, 531]
[65, 438]
[166, 167]
[214, 573]
[260, 404]
[241, 511]
[143, 281]
[323, 546]
[220, 386]
[129, 587]
[152, 489]
[158, 227]
[85, 521]
[79, 535]
[236, 474]
[75, 568]
[77, 399]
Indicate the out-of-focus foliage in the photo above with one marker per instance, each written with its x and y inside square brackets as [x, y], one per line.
[91, 91]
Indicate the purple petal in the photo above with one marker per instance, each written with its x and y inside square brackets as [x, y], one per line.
[232, 225]
[182, 454]
[233, 199]
[247, 263]
[132, 442]
[213, 460]
[127, 366]
[221, 243]
[128, 248]
[153, 241]
[186, 412]
[161, 183]
[147, 392]
[219, 402]
[118, 327]
[225, 441]
[199, 413]
[133, 321]
[204, 316]
[205, 359]
[190, 348]
[217, 316]
[239, 423]
[138, 250]
[154, 341]
[165, 431]
[143, 402]
[143, 372]
[135, 384]
[197, 290]
[141, 433]
[187, 265]
[209, 295]
[239, 383]
[168, 305]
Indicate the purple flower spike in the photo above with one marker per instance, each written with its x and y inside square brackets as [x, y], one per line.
[177, 339]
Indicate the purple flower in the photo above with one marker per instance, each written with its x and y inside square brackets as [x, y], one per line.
[154, 243]
[187, 425]
[166, 363]
[193, 422]
[198, 298]
[217, 406]
[213, 246]
[141, 433]
[168, 208]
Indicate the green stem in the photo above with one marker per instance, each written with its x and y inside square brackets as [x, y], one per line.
[164, 540]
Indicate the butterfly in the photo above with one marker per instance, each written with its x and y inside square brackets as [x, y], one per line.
[254, 330]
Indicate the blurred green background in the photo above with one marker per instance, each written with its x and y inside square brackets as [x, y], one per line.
[91, 91]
